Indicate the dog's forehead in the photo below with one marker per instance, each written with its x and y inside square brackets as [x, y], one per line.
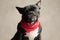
[31, 7]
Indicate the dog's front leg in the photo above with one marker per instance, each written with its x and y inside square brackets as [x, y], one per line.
[17, 36]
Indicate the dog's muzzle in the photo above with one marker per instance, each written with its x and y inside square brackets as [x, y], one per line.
[32, 18]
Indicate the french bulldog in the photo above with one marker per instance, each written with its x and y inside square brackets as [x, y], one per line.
[29, 27]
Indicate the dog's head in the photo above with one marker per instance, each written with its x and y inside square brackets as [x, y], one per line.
[30, 13]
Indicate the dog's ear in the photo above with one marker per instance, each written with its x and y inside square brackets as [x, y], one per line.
[39, 4]
[20, 9]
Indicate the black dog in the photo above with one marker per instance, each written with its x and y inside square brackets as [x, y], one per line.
[29, 28]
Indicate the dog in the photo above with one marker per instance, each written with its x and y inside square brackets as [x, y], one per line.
[29, 27]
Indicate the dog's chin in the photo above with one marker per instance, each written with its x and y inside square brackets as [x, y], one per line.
[31, 23]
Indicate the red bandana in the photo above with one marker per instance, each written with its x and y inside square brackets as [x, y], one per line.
[29, 27]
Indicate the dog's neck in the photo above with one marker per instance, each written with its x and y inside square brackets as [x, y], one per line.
[28, 27]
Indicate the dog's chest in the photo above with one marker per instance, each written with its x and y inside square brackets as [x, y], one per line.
[31, 35]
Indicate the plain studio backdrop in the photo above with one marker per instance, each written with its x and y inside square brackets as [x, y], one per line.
[49, 18]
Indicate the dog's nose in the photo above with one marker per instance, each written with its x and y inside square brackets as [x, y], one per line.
[33, 13]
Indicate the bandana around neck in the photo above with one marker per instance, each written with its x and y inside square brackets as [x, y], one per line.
[29, 27]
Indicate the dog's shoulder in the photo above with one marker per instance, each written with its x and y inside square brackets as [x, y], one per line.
[40, 29]
[19, 28]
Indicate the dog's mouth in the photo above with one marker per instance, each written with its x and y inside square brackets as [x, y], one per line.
[32, 19]
[28, 23]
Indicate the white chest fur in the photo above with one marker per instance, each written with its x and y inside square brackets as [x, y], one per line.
[31, 35]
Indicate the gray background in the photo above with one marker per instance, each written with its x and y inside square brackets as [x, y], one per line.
[49, 18]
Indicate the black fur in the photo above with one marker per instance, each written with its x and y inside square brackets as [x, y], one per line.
[30, 14]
